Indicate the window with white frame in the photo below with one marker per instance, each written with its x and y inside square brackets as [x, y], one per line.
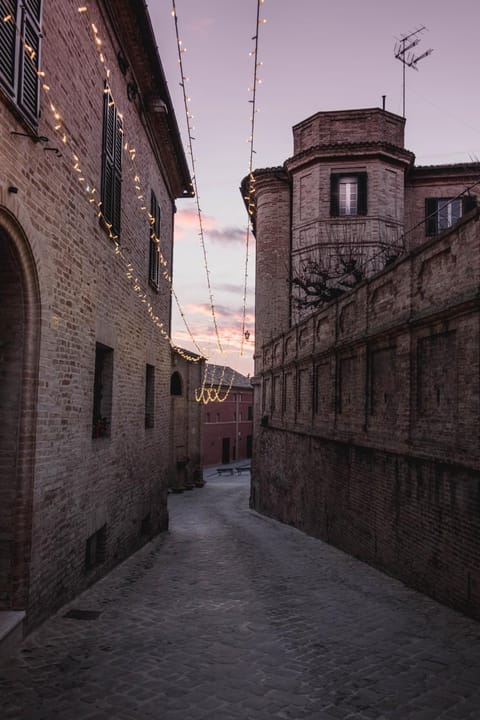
[442, 213]
[348, 194]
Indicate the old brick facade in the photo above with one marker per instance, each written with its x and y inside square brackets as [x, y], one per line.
[84, 361]
[366, 411]
[228, 416]
[186, 466]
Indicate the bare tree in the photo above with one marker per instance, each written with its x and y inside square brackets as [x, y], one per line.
[330, 269]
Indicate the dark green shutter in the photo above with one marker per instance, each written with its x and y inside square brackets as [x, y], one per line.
[29, 66]
[334, 195]
[8, 44]
[111, 164]
[117, 176]
[469, 203]
[431, 216]
[154, 262]
[362, 193]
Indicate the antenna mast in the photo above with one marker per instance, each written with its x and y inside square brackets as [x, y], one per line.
[404, 52]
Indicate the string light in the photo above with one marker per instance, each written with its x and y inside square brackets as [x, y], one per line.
[92, 196]
[250, 202]
[189, 117]
[91, 190]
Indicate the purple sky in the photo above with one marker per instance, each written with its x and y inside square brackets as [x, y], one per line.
[316, 56]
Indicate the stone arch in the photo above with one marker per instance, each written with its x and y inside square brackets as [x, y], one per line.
[19, 359]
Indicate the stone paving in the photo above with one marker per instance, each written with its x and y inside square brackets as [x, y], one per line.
[233, 616]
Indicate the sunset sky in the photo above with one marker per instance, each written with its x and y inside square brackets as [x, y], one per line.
[316, 56]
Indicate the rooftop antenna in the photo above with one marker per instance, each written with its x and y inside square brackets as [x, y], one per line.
[404, 52]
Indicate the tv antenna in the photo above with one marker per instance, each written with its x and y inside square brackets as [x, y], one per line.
[405, 53]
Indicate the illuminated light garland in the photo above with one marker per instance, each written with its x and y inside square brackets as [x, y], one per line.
[203, 394]
[251, 178]
[189, 118]
[91, 190]
[211, 394]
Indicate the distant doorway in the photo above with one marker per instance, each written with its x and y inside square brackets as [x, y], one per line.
[225, 451]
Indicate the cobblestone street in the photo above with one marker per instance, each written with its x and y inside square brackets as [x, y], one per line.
[233, 616]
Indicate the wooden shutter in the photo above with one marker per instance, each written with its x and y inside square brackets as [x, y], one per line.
[117, 174]
[111, 164]
[469, 203]
[29, 60]
[334, 195]
[431, 207]
[8, 44]
[154, 261]
[362, 206]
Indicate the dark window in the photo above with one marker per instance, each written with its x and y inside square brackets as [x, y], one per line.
[176, 384]
[96, 546]
[150, 396]
[154, 259]
[348, 194]
[111, 163]
[102, 391]
[442, 213]
[20, 54]
[250, 412]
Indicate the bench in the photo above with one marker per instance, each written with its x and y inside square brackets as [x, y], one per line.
[225, 471]
[242, 468]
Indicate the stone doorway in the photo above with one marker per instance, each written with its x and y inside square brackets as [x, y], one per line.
[19, 341]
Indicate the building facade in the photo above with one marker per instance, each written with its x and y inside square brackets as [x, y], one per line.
[186, 466]
[367, 407]
[228, 416]
[91, 165]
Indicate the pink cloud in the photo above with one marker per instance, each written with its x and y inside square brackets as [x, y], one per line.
[187, 223]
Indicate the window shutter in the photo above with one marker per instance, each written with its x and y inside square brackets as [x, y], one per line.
[8, 44]
[29, 65]
[362, 193]
[154, 262]
[431, 207]
[111, 164]
[469, 203]
[334, 198]
[34, 7]
[117, 175]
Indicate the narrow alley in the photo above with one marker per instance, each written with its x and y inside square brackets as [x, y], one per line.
[233, 616]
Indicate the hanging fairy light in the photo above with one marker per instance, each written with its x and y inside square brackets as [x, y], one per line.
[249, 198]
[91, 190]
[189, 117]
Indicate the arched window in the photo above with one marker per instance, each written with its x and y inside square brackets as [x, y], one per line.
[176, 384]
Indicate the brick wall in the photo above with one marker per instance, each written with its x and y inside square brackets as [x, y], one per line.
[187, 423]
[78, 485]
[369, 437]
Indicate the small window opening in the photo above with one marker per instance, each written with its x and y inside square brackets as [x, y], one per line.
[176, 384]
[150, 396]
[102, 391]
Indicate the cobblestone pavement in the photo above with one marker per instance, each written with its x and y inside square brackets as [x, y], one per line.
[232, 616]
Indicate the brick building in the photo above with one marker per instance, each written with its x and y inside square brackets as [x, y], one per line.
[228, 416]
[186, 466]
[367, 407]
[90, 166]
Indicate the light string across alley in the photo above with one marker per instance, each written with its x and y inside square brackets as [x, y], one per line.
[92, 193]
[249, 198]
[189, 117]
[207, 392]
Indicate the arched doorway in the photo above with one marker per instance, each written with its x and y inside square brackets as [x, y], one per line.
[19, 347]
